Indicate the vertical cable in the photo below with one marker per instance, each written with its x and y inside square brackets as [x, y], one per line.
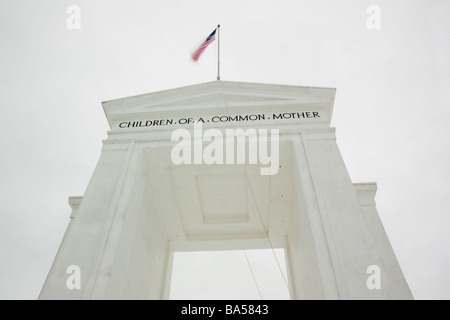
[253, 275]
[262, 223]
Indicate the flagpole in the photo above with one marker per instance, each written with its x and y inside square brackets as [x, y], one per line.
[218, 52]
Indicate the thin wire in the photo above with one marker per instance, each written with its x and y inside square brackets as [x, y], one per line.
[267, 234]
[263, 225]
[253, 275]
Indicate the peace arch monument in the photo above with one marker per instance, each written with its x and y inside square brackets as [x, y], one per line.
[143, 203]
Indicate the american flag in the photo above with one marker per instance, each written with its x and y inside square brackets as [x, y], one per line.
[203, 46]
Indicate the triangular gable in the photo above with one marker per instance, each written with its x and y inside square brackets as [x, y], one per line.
[218, 94]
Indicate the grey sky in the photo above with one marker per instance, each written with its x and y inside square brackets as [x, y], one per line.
[391, 111]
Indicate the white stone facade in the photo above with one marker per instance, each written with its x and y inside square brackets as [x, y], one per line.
[139, 207]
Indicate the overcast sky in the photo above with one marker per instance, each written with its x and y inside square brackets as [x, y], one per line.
[391, 112]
